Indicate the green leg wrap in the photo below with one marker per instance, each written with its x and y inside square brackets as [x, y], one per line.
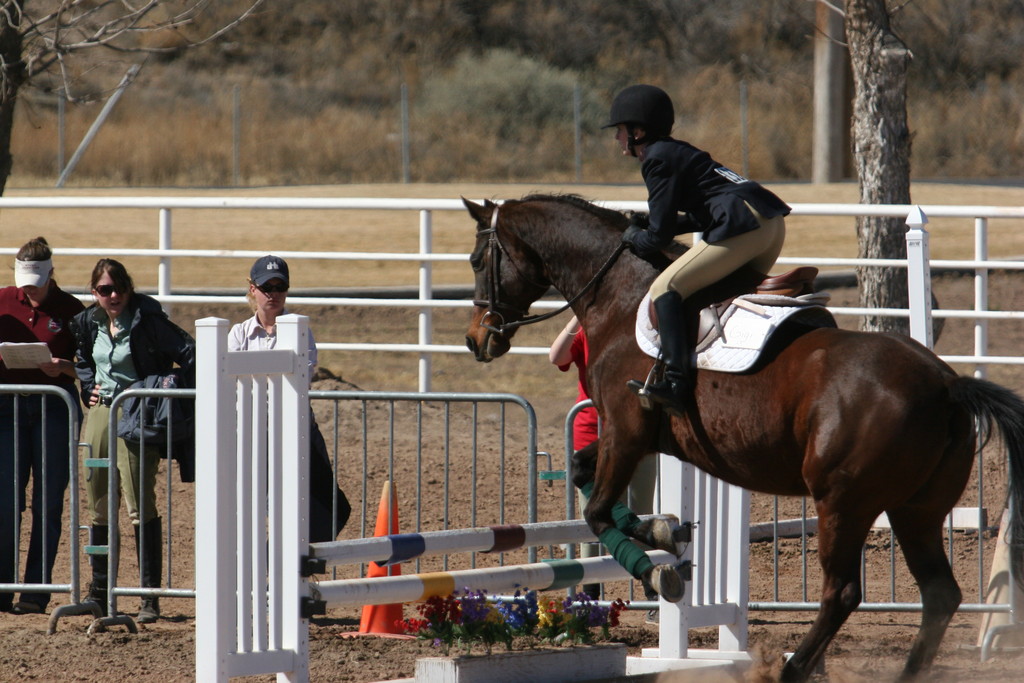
[626, 553]
[624, 518]
[621, 546]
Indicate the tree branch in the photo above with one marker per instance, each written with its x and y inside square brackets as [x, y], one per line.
[74, 26]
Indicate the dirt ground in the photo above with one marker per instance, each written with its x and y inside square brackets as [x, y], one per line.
[871, 646]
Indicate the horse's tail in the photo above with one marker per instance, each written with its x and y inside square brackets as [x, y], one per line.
[992, 404]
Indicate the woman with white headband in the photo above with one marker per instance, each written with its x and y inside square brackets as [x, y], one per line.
[35, 309]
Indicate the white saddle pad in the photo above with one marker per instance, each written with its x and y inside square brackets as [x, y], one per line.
[731, 338]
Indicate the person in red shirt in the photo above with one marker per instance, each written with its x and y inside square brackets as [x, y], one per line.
[35, 310]
[569, 349]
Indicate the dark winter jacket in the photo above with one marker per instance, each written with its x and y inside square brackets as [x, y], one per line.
[146, 419]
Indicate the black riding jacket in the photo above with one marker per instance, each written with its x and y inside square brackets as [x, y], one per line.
[681, 178]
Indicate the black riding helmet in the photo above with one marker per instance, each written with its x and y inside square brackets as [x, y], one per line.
[643, 105]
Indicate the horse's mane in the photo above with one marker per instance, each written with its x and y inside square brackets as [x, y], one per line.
[608, 215]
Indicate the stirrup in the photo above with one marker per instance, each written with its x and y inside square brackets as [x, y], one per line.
[641, 390]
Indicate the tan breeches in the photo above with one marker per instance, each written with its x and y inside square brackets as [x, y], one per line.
[706, 264]
[137, 472]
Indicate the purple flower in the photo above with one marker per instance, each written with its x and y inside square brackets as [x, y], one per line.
[598, 616]
[474, 607]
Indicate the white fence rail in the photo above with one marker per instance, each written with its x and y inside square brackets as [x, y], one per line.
[423, 210]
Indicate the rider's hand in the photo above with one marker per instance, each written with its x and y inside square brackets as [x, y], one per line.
[639, 219]
[629, 237]
[638, 223]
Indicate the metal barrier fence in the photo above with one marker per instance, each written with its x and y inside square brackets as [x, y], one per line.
[421, 425]
[15, 399]
[113, 549]
[372, 437]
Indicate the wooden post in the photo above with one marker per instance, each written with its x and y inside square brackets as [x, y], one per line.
[831, 112]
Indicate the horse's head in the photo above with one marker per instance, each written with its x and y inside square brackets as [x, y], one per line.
[509, 277]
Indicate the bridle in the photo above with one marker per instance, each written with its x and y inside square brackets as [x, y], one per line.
[492, 285]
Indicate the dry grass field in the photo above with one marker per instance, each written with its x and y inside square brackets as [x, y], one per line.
[367, 230]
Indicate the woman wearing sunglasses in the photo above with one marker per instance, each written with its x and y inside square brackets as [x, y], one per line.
[268, 290]
[122, 338]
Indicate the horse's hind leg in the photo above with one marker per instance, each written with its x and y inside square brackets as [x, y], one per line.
[922, 546]
[839, 544]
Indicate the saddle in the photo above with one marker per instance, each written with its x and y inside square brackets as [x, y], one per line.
[796, 282]
[731, 334]
[793, 283]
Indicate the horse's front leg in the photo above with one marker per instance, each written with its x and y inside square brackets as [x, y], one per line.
[657, 532]
[584, 464]
[611, 521]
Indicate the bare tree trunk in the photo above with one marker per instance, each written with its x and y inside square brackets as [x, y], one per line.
[12, 75]
[881, 139]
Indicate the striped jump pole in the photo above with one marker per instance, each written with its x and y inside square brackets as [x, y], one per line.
[388, 550]
[540, 576]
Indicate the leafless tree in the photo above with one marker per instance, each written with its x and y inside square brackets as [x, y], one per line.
[881, 147]
[41, 39]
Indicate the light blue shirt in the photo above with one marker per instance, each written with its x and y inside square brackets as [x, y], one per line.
[113, 355]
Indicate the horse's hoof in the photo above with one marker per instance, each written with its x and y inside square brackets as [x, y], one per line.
[667, 581]
[659, 533]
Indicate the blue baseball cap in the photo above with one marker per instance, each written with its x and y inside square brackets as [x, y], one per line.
[267, 268]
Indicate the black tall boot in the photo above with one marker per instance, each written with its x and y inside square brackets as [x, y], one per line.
[674, 389]
[99, 535]
[151, 563]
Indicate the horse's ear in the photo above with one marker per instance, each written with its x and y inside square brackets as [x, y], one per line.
[480, 212]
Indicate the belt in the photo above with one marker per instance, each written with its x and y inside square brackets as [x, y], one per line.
[105, 400]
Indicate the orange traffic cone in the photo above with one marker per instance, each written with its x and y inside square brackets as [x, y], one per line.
[380, 619]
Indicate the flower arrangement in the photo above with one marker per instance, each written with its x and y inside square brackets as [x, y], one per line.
[470, 618]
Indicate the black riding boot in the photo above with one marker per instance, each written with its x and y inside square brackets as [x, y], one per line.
[99, 535]
[674, 389]
[152, 566]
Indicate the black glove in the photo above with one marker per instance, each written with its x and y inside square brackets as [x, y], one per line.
[639, 219]
[629, 237]
[638, 222]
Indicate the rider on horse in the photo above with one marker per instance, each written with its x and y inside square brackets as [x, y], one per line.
[741, 223]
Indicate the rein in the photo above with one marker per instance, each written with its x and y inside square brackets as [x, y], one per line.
[492, 303]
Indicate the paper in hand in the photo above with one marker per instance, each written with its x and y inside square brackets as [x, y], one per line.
[24, 355]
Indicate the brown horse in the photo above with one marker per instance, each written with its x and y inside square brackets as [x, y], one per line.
[863, 423]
